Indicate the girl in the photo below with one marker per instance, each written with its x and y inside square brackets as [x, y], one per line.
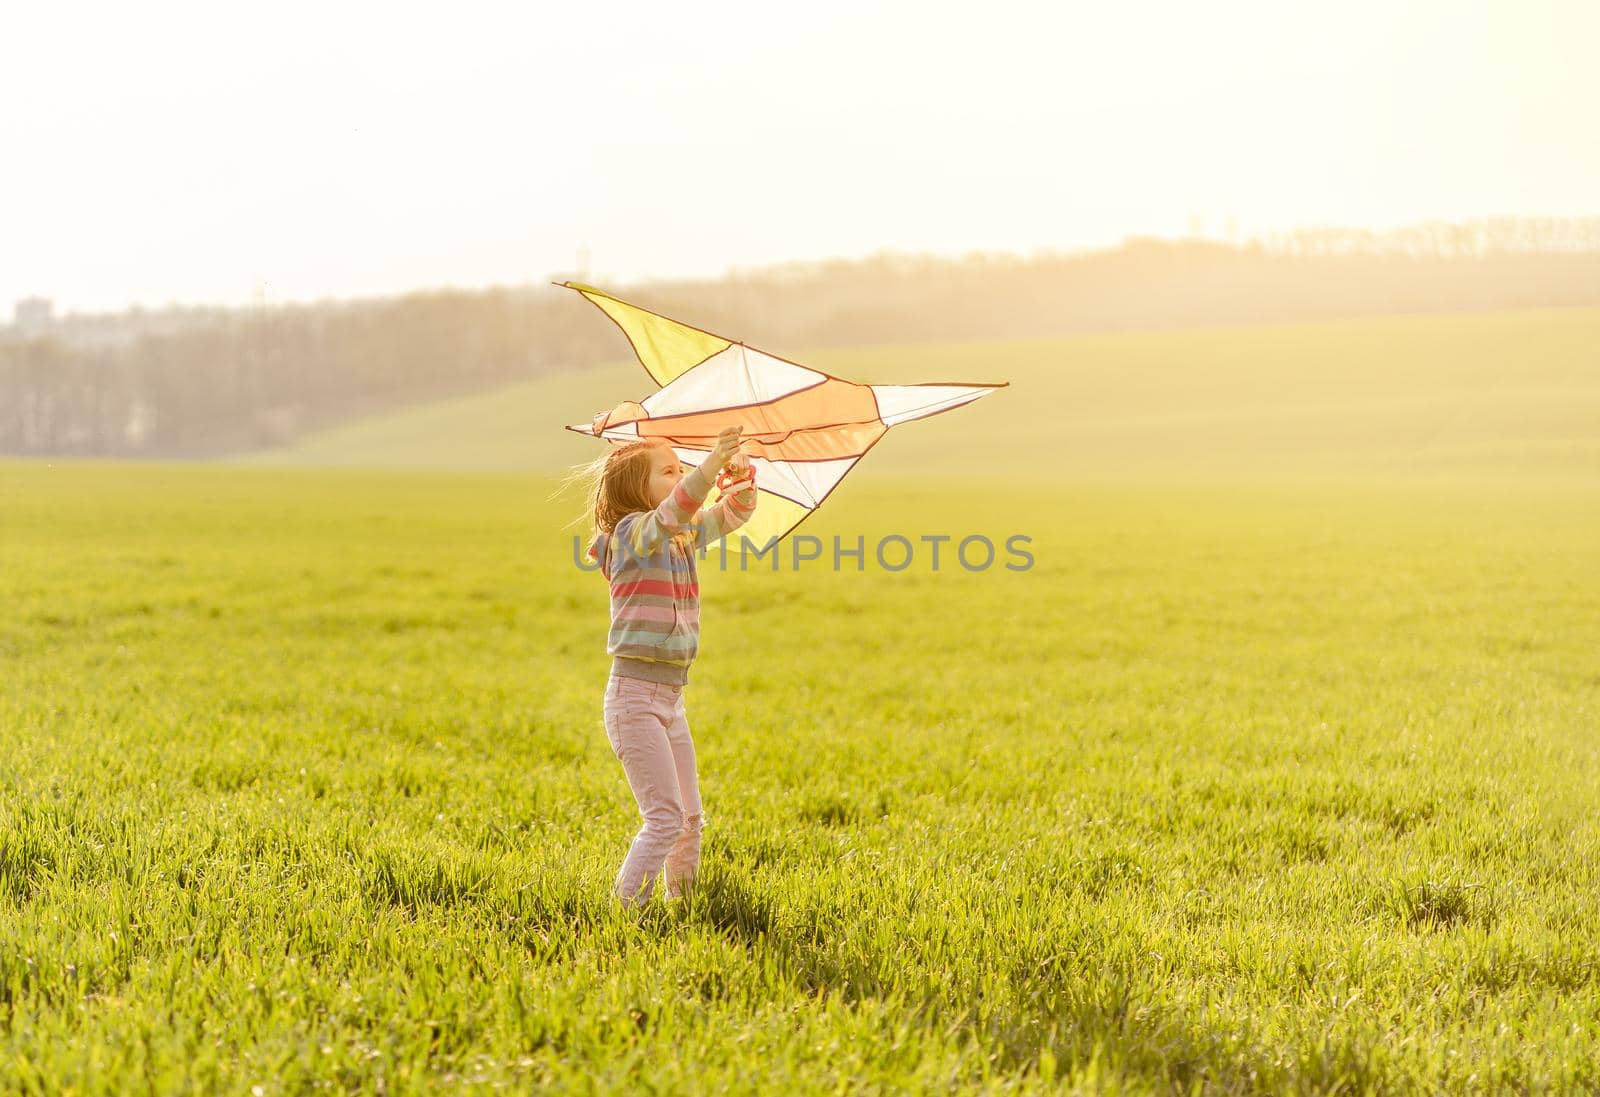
[647, 531]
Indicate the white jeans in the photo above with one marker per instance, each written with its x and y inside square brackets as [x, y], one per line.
[650, 735]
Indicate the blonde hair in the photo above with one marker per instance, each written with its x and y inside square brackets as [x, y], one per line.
[619, 485]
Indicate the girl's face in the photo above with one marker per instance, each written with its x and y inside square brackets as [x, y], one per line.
[665, 472]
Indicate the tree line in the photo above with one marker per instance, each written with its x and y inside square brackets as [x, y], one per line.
[212, 381]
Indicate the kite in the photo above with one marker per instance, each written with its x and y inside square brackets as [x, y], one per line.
[803, 429]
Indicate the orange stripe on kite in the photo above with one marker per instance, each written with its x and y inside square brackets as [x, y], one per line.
[840, 420]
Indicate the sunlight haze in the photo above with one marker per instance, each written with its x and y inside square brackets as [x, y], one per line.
[209, 153]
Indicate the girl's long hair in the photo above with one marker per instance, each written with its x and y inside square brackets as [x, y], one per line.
[618, 485]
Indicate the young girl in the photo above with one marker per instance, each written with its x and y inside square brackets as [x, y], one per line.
[648, 525]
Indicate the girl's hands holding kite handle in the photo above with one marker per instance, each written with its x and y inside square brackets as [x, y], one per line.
[738, 474]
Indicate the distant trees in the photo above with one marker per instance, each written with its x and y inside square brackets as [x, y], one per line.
[189, 382]
[1495, 236]
[255, 378]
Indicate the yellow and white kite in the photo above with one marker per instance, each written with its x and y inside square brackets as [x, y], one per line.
[803, 429]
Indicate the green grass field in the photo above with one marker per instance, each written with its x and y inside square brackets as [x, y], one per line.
[1275, 773]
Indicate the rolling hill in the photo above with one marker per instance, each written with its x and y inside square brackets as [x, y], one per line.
[1498, 394]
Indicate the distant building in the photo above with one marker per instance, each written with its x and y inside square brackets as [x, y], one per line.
[33, 315]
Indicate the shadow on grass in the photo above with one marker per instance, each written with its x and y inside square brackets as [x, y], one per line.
[1054, 1020]
[1065, 1014]
[1433, 905]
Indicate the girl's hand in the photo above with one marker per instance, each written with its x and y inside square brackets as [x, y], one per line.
[737, 475]
[726, 449]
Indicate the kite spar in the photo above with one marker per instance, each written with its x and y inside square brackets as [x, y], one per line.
[803, 429]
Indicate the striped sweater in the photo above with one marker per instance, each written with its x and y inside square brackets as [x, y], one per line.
[649, 560]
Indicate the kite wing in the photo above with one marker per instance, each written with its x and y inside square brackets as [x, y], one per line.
[803, 429]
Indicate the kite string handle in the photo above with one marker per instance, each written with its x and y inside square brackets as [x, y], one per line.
[726, 479]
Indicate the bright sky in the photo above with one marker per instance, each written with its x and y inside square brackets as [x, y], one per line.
[209, 152]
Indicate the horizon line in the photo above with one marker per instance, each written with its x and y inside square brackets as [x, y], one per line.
[1270, 241]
